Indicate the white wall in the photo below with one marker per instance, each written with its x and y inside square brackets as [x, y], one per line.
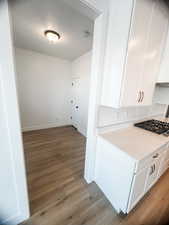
[44, 90]
[14, 207]
[44, 86]
[81, 69]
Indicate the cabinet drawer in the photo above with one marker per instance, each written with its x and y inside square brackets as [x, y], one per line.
[150, 159]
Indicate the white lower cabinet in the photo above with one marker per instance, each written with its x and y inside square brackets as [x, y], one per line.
[163, 168]
[125, 180]
[164, 162]
[138, 187]
[142, 182]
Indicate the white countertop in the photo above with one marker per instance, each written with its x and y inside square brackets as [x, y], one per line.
[136, 142]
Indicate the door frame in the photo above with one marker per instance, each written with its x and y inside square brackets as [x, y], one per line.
[11, 102]
[12, 119]
[97, 67]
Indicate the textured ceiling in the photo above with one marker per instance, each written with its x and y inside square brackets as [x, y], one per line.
[32, 17]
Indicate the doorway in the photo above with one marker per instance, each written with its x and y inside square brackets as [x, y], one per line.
[49, 105]
[75, 102]
[81, 69]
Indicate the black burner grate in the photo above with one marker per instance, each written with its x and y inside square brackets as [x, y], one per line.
[155, 126]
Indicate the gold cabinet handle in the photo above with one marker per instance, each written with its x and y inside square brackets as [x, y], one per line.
[139, 97]
[142, 96]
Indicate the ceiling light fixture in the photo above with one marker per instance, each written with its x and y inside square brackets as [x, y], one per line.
[52, 35]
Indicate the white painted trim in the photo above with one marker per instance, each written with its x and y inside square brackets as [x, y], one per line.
[20, 158]
[98, 6]
[9, 95]
[50, 125]
[14, 220]
[91, 4]
[44, 126]
[82, 131]
[99, 46]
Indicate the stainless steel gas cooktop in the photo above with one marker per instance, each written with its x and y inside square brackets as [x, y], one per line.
[155, 126]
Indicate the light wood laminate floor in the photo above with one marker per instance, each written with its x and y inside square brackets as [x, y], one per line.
[60, 196]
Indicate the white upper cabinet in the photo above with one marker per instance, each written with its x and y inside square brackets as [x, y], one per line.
[136, 53]
[136, 37]
[164, 69]
[155, 49]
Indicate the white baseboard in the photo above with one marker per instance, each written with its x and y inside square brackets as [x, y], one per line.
[51, 125]
[17, 219]
[82, 131]
[44, 126]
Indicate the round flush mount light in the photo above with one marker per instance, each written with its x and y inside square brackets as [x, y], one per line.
[52, 35]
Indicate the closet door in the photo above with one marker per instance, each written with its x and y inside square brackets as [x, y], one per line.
[131, 89]
[155, 46]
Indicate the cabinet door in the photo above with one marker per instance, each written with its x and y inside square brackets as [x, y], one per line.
[164, 162]
[153, 172]
[164, 166]
[155, 46]
[164, 68]
[167, 154]
[135, 56]
[138, 188]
